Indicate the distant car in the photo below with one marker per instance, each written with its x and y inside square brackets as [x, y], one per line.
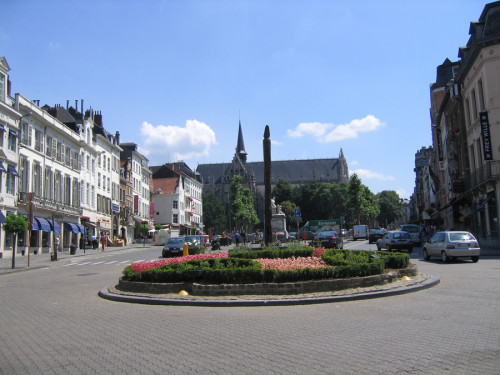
[292, 236]
[345, 233]
[375, 234]
[173, 247]
[452, 244]
[360, 231]
[414, 231]
[330, 240]
[395, 240]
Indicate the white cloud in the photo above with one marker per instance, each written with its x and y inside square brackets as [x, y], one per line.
[353, 163]
[325, 132]
[371, 175]
[191, 141]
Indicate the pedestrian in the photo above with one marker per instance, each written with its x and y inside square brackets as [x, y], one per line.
[237, 238]
[244, 237]
[103, 241]
[56, 244]
[94, 242]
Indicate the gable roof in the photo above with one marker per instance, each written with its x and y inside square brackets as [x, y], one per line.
[165, 185]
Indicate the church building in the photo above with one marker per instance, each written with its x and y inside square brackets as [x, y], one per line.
[217, 177]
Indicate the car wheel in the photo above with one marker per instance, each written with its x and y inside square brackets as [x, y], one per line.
[445, 258]
[475, 259]
[426, 255]
[378, 247]
[388, 248]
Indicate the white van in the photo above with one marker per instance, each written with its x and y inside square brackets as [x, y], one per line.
[360, 231]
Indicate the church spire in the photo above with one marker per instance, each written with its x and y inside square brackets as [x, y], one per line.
[240, 146]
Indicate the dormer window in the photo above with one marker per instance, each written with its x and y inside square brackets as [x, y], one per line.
[2, 87]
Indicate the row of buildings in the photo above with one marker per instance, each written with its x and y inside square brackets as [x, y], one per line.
[458, 177]
[72, 179]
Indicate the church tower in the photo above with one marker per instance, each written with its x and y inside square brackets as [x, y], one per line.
[343, 169]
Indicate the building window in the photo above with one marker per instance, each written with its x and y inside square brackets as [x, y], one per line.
[11, 184]
[48, 189]
[2, 132]
[38, 140]
[36, 185]
[175, 219]
[467, 113]
[175, 204]
[2, 87]
[12, 141]
[474, 104]
[481, 95]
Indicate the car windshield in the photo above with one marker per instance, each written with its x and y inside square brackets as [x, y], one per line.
[463, 236]
[401, 235]
[411, 229]
[175, 241]
[328, 234]
[376, 231]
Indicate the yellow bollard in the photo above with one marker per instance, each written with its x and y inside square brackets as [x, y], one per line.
[183, 293]
[185, 250]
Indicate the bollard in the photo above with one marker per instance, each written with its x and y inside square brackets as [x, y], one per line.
[185, 250]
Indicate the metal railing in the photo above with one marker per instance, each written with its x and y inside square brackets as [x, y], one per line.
[489, 171]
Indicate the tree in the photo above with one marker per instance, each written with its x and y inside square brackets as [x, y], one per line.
[355, 199]
[390, 205]
[214, 214]
[241, 204]
[283, 191]
[15, 225]
[288, 209]
[370, 208]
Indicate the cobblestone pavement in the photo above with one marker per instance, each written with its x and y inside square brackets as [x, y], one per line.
[53, 322]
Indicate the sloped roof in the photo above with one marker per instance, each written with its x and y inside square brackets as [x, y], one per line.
[294, 171]
[165, 185]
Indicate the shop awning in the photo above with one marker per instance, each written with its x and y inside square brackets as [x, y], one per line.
[43, 224]
[81, 228]
[54, 226]
[71, 227]
[12, 171]
[2, 168]
[2, 218]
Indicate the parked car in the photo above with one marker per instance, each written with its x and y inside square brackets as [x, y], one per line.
[395, 240]
[345, 233]
[360, 231]
[173, 247]
[330, 239]
[414, 231]
[375, 234]
[194, 242]
[452, 244]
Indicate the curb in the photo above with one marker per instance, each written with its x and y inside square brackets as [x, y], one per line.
[105, 293]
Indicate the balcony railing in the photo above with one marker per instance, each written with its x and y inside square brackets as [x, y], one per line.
[49, 204]
[489, 171]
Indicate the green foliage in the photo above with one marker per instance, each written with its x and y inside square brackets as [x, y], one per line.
[130, 275]
[241, 204]
[143, 230]
[158, 227]
[15, 224]
[283, 191]
[214, 214]
[361, 202]
[390, 205]
[288, 209]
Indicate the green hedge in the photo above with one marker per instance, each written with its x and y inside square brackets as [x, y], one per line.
[239, 270]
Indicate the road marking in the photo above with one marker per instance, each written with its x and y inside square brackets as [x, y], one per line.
[113, 261]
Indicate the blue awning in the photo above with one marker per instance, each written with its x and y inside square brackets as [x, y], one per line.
[12, 171]
[34, 224]
[43, 224]
[2, 128]
[2, 168]
[81, 228]
[54, 226]
[12, 132]
[72, 227]
[2, 218]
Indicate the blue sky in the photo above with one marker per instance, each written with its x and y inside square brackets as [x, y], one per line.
[175, 77]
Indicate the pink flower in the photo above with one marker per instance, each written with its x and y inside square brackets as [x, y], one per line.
[139, 267]
[292, 263]
[318, 251]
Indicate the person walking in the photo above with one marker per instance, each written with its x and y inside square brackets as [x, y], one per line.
[103, 241]
[237, 239]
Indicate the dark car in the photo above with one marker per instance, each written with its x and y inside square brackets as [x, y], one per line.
[330, 240]
[375, 234]
[395, 240]
[173, 247]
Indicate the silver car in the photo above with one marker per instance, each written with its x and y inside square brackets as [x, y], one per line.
[395, 240]
[414, 231]
[452, 244]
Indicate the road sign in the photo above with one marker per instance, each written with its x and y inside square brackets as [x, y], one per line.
[297, 212]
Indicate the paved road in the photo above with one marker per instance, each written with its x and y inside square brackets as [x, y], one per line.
[53, 322]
